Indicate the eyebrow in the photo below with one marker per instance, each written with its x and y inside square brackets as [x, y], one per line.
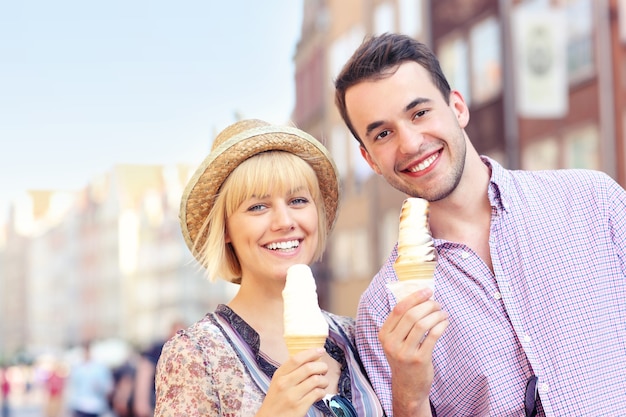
[371, 127]
[411, 105]
[416, 102]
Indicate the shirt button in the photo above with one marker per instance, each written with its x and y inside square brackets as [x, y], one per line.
[543, 388]
[465, 255]
[497, 295]
[527, 338]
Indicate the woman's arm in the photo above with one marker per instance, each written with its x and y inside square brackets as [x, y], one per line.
[184, 383]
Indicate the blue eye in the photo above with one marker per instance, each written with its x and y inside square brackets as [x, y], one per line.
[300, 200]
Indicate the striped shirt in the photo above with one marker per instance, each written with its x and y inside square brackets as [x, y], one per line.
[555, 306]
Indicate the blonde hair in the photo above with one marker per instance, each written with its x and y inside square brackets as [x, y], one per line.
[263, 174]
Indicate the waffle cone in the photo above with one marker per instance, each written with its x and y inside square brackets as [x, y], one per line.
[297, 344]
[409, 271]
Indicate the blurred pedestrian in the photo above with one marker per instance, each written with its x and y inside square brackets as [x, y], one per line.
[90, 384]
[145, 392]
[55, 384]
[5, 387]
[122, 399]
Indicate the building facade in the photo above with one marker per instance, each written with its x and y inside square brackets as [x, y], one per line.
[545, 81]
[105, 263]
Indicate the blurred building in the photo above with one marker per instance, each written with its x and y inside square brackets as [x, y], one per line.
[107, 262]
[545, 81]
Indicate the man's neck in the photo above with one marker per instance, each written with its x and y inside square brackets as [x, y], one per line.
[465, 215]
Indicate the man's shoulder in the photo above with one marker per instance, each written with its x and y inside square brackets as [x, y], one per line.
[547, 176]
[555, 183]
[562, 175]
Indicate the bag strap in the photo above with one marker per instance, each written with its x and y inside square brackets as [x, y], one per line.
[247, 357]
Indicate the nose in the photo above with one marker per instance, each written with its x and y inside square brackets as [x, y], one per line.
[409, 139]
[282, 217]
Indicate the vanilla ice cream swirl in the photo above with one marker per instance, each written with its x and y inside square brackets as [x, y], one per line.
[415, 242]
[302, 314]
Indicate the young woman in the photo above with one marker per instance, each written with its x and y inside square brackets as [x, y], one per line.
[264, 199]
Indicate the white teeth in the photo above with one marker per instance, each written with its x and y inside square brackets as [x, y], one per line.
[292, 244]
[424, 164]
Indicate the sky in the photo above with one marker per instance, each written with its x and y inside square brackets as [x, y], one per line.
[87, 84]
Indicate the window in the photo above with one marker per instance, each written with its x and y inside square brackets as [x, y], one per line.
[582, 148]
[349, 259]
[579, 38]
[411, 17]
[542, 154]
[343, 47]
[384, 18]
[486, 46]
[453, 58]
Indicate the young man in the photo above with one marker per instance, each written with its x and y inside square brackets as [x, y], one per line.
[531, 265]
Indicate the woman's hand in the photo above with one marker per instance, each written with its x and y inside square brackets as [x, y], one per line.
[408, 338]
[296, 385]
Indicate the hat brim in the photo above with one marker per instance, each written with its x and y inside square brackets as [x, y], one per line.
[203, 187]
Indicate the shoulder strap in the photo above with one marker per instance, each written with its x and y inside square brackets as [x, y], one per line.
[243, 351]
[247, 356]
[364, 398]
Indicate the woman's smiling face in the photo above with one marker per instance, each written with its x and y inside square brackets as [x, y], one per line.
[269, 233]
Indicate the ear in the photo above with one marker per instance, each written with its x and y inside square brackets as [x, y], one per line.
[458, 105]
[366, 155]
[227, 238]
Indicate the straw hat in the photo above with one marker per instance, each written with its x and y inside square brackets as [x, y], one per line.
[234, 145]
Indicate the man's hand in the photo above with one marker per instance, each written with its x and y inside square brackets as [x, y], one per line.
[408, 338]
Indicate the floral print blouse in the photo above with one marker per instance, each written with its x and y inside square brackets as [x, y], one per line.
[202, 371]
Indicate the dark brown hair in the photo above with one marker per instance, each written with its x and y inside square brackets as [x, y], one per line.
[379, 57]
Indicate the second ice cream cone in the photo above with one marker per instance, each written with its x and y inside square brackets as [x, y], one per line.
[424, 270]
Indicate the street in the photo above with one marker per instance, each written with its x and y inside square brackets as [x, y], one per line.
[34, 410]
[27, 411]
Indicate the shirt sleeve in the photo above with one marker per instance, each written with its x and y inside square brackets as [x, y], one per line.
[371, 313]
[183, 381]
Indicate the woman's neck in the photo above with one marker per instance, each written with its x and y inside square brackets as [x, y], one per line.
[262, 309]
[257, 304]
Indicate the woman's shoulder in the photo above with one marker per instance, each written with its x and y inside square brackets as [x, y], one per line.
[204, 336]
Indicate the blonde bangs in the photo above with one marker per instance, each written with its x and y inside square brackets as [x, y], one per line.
[253, 178]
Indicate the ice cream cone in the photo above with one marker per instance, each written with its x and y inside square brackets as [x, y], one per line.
[409, 271]
[298, 343]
